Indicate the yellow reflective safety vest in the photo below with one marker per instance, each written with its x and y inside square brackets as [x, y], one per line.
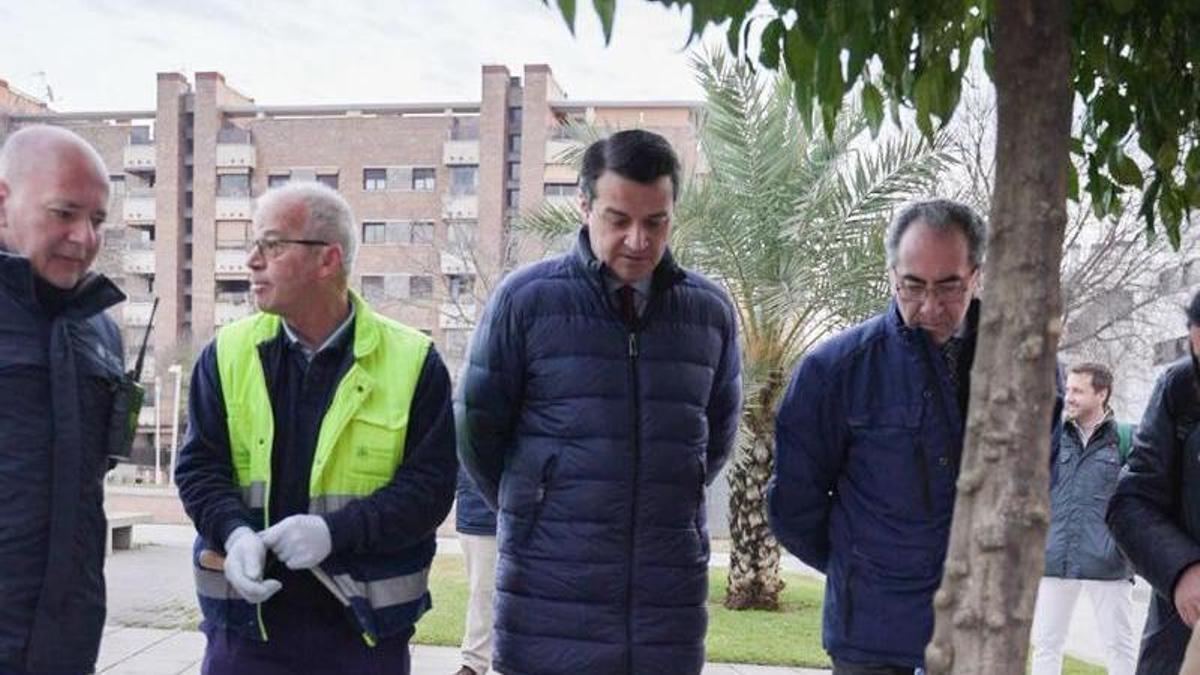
[359, 448]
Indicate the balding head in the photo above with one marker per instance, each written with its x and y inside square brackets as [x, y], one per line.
[53, 200]
[31, 148]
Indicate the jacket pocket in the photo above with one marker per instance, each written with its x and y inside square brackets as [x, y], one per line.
[539, 501]
[375, 444]
[888, 459]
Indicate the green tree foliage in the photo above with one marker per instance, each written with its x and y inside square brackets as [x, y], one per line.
[1134, 74]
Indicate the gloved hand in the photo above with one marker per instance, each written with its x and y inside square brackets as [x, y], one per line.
[245, 555]
[300, 541]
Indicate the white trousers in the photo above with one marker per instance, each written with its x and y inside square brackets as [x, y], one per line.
[479, 552]
[1112, 604]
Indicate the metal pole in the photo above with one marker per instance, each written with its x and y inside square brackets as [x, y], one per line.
[178, 370]
[157, 430]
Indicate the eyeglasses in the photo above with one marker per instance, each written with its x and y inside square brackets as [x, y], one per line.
[914, 290]
[272, 247]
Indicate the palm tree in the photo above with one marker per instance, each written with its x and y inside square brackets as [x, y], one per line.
[790, 222]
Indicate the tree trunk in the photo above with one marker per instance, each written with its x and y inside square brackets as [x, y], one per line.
[984, 607]
[754, 581]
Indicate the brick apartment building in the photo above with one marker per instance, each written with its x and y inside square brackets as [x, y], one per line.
[435, 187]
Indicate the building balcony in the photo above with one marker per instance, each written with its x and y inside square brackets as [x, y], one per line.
[138, 207]
[231, 262]
[460, 153]
[235, 156]
[452, 264]
[139, 157]
[556, 148]
[460, 314]
[460, 207]
[225, 313]
[233, 208]
[138, 261]
[136, 313]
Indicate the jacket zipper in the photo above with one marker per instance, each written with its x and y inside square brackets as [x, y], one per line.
[637, 457]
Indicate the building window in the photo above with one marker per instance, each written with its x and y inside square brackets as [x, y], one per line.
[420, 286]
[514, 171]
[233, 185]
[423, 180]
[373, 288]
[514, 143]
[561, 189]
[329, 180]
[277, 180]
[461, 287]
[464, 180]
[374, 232]
[513, 198]
[462, 234]
[117, 183]
[421, 233]
[374, 179]
[514, 117]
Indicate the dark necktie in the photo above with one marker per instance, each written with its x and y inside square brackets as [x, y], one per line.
[951, 351]
[626, 304]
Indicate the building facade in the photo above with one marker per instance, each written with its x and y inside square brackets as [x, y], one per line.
[435, 187]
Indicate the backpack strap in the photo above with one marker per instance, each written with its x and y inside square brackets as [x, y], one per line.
[1124, 440]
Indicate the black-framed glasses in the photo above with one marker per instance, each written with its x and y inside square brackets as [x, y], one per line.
[272, 247]
[915, 290]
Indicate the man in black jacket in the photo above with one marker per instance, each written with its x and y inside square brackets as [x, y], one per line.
[1155, 513]
[60, 363]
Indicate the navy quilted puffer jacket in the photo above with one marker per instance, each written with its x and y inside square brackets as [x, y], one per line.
[595, 441]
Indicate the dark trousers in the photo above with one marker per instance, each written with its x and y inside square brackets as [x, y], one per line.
[848, 668]
[302, 645]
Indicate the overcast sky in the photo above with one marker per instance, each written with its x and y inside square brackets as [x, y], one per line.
[103, 54]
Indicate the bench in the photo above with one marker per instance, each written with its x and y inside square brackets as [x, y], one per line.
[120, 529]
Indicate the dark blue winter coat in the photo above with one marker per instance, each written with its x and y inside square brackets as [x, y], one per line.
[596, 442]
[1154, 514]
[869, 440]
[57, 376]
[472, 515]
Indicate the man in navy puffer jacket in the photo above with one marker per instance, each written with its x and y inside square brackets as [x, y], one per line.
[602, 395]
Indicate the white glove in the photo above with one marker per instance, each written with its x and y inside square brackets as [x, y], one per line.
[245, 556]
[300, 541]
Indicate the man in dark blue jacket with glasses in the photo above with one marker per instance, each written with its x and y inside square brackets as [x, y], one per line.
[869, 441]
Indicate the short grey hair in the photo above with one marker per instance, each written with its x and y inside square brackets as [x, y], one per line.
[939, 214]
[329, 215]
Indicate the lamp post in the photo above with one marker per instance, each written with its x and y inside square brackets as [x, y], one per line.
[177, 371]
[157, 430]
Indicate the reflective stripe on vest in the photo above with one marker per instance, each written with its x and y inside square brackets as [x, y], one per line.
[360, 444]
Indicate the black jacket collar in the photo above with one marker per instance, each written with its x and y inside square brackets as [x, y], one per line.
[93, 294]
[666, 273]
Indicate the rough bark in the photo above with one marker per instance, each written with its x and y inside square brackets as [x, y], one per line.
[984, 607]
[754, 581]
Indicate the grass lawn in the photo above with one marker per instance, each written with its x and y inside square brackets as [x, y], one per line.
[791, 637]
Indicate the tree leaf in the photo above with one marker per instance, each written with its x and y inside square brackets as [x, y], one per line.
[1124, 170]
[1168, 155]
[606, 9]
[872, 104]
[772, 37]
[567, 7]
